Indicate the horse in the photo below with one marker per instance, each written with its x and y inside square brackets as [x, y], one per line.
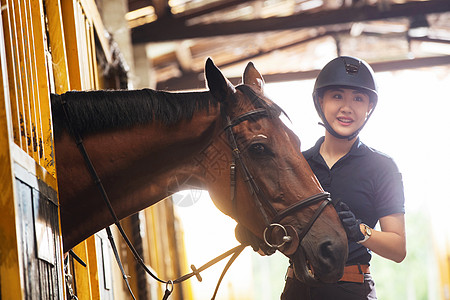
[148, 144]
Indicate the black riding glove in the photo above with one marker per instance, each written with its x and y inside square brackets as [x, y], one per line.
[350, 223]
[246, 237]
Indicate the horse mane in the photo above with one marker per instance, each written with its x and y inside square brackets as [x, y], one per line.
[94, 111]
[102, 110]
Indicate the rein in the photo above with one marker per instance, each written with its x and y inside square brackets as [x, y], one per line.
[290, 235]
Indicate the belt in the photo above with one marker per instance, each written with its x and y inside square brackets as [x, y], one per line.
[353, 273]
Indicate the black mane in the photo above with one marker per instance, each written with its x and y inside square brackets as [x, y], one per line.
[102, 110]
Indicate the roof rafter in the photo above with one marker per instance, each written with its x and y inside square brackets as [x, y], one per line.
[173, 29]
[193, 80]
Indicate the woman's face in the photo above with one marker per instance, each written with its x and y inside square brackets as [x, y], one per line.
[345, 109]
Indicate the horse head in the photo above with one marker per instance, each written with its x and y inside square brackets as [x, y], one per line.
[272, 191]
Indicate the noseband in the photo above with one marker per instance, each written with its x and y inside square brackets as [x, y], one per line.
[290, 234]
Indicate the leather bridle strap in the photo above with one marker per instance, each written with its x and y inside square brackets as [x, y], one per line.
[248, 178]
[245, 116]
[196, 272]
[299, 205]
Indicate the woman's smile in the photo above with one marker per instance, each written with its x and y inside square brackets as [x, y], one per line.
[345, 121]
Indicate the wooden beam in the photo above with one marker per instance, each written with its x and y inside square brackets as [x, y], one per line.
[162, 8]
[136, 4]
[173, 29]
[196, 81]
[184, 56]
[210, 8]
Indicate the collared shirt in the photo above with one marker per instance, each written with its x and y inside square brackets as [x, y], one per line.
[367, 180]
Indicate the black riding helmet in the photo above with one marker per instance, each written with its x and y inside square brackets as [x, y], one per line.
[350, 72]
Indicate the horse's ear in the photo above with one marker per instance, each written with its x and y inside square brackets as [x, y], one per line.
[219, 86]
[252, 77]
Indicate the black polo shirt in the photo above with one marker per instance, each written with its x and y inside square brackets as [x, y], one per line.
[367, 180]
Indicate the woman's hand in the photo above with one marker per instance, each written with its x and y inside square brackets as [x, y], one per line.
[350, 223]
[389, 243]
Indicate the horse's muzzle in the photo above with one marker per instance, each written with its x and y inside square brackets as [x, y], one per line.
[321, 264]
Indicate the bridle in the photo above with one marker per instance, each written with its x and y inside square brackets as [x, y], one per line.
[289, 236]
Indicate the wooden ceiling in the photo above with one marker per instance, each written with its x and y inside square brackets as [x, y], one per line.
[286, 39]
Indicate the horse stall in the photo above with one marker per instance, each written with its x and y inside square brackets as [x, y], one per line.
[52, 46]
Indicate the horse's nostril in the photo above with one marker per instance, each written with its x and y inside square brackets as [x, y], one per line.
[326, 250]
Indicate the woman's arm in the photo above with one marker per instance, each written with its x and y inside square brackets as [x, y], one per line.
[390, 242]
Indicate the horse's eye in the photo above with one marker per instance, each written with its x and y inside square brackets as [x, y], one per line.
[258, 149]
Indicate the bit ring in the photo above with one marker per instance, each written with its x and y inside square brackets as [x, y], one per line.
[286, 238]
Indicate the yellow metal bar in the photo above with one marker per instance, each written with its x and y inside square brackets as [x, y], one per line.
[93, 267]
[84, 51]
[130, 264]
[90, 45]
[42, 99]
[94, 59]
[176, 250]
[70, 33]
[14, 62]
[84, 27]
[150, 216]
[164, 254]
[86, 278]
[155, 218]
[81, 48]
[11, 58]
[58, 45]
[36, 129]
[81, 273]
[24, 86]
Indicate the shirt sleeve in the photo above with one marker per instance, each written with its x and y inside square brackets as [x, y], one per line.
[390, 198]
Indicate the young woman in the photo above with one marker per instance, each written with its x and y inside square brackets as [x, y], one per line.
[366, 182]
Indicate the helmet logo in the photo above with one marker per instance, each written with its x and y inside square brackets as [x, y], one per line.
[351, 69]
